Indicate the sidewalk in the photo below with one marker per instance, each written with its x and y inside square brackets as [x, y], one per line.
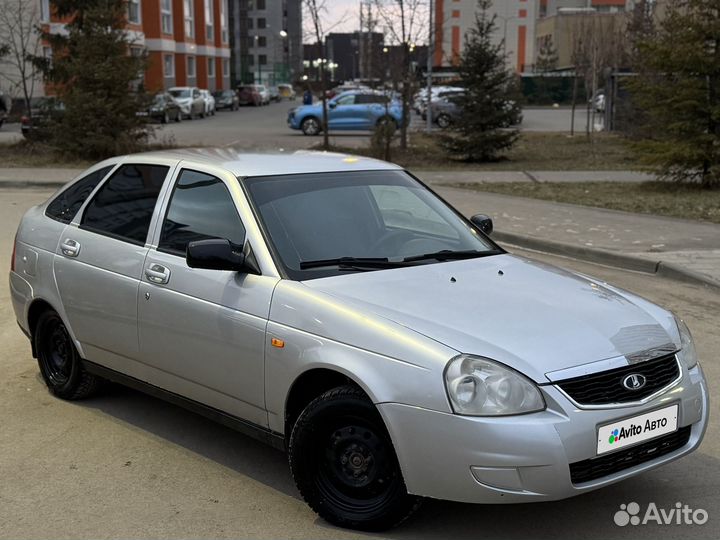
[681, 249]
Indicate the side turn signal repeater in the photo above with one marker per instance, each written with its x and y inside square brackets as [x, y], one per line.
[279, 343]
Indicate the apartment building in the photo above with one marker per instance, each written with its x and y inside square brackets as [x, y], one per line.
[515, 29]
[550, 8]
[187, 41]
[266, 40]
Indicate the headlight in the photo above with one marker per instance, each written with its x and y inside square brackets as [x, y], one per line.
[687, 353]
[480, 387]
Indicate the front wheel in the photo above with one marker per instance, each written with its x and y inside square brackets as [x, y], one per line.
[310, 126]
[344, 463]
[443, 121]
[59, 361]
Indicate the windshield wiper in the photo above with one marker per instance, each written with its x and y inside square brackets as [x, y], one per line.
[353, 262]
[449, 255]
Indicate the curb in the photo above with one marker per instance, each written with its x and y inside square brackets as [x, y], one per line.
[609, 258]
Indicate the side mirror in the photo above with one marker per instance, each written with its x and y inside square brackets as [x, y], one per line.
[332, 104]
[483, 222]
[214, 254]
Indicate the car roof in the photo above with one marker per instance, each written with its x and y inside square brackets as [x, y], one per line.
[271, 164]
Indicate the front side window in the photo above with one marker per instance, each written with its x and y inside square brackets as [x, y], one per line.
[189, 18]
[64, 207]
[382, 215]
[166, 16]
[200, 208]
[123, 207]
[346, 100]
[134, 11]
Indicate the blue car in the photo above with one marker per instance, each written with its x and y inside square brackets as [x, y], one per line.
[352, 110]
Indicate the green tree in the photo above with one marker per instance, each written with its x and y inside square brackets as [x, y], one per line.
[678, 91]
[96, 74]
[491, 101]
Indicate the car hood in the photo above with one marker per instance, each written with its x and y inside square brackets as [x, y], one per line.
[534, 317]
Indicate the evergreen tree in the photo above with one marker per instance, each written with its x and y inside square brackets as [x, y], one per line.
[95, 75]
[678, 91]
[490, 103]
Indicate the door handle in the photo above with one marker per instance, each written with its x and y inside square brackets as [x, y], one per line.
[70, 248]
[157, 273]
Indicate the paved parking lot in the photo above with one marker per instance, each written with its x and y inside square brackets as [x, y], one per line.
[125, 465]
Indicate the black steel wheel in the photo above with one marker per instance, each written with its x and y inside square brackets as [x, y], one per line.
[344, 463]
[59, 361]
[443, 121]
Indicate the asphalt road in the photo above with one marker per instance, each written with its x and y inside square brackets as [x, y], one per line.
[264, 128]
[125, 465]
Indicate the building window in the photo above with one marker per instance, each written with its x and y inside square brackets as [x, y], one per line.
[169, 65]
[225, 67]
[260, 4]
[166, 16]
[44, 11]
[191, 67]
[251, 60]
[262, 23]
[224, 20]
[250, 23]
[189, 18]
[262, 41]
[48, 54]
[209, 20]
[211, 66]
[262, 59]
[134, 11]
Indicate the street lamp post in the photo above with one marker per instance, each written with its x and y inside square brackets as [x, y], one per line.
[286, 55]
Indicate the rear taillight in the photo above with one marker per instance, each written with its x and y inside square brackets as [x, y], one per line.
[12, 258]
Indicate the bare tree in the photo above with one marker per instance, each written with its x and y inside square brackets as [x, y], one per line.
[20, 40]
[406, 23]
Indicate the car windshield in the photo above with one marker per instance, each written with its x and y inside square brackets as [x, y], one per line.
[180, 93]
[329, 223]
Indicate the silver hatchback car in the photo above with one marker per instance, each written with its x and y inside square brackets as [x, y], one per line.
[336, 308]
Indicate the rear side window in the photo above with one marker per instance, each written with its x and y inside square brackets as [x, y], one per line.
[64, 207]
[124, 205]
[201, 208]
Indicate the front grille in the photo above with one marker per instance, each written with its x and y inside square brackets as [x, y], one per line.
[591, 469]
[606, 387]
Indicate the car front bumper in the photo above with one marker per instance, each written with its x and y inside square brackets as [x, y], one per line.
[525, 458]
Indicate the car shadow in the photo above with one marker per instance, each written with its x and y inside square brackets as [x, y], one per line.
[692, 481]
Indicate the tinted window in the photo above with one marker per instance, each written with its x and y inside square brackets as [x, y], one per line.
[64, 207]
[124, 205]
[200, 208]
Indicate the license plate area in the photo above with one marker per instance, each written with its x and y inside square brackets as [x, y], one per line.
[636, 429]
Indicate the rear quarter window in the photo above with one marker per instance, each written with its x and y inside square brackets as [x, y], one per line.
[64, 207]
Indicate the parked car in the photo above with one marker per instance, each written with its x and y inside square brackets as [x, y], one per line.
[209, 102]
[274, 93]
[43, 111]
[445, 109]
[352, 110]
[286, 91]
[336, 308]
[5, 106]
[249, 94]
[163, 109]
[264, 94]
[190, 100]
[226, 99]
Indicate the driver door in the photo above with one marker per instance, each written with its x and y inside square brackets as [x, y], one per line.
[202, 332]
[345, 114]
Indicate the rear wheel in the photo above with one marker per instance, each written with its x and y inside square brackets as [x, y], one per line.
[310, 126]
[59, 361]
[443, 121]
[344, 464]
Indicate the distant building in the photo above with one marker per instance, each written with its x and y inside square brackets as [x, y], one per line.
[549, 8]
[515, 27]
[266, 40]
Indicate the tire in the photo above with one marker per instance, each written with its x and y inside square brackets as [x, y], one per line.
[178, 117]
[165, 118]
[443, 121]
[344, 464]
[59, 361]
[310, 126]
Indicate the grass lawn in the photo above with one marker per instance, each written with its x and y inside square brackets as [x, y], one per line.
[534, 151]
[659, 198]
[27, 154]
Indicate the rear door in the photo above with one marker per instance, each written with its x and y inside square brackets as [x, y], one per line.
[203, 331]
[99, 262]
